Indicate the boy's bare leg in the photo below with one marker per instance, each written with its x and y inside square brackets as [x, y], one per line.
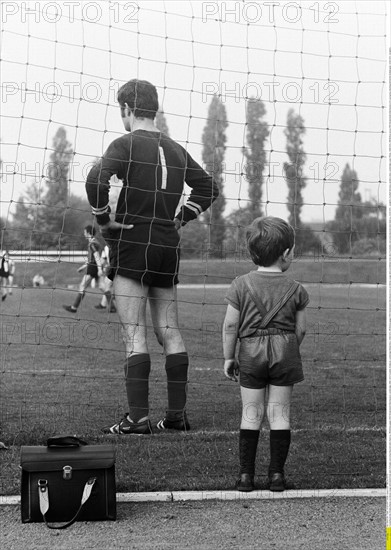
[278, 412]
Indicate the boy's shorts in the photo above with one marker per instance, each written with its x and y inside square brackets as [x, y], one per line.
[272, 356]
[92, 271]
[148, 253]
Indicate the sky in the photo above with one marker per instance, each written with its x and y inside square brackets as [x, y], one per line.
[62, 63]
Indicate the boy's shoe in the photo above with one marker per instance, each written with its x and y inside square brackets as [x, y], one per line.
[70, 308]
[99, 306]
[113, 309]
[167, 424]
[126, 427]
[245, 483]
[277, 482]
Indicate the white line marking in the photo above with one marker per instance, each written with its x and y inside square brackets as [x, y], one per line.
[326, 285]
[325, 428]
[180, 496]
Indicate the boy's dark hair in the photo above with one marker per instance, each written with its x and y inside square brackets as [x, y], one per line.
[268, 238]
[90, 229]
[141, 97]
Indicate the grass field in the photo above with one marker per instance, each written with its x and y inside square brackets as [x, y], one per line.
[332, 270]
[63, 373]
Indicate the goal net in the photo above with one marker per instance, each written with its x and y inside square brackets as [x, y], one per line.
[286, 104]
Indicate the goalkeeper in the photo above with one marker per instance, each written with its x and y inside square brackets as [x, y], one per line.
[266, 311]
[144, 247]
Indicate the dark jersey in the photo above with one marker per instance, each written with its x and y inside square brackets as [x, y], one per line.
[153, 168]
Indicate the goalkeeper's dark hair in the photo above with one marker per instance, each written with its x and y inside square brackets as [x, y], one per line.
[268, 238]
[90, 229]
[140, 96]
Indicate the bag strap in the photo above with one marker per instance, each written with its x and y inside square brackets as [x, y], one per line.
[267, 316]
[43, 494]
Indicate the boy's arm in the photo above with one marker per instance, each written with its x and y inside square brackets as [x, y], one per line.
[230, 336]
[301, 325]
[204, 192]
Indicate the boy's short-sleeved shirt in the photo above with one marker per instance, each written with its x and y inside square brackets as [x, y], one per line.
[270, 287]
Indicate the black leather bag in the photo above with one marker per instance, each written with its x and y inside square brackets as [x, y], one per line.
[67, 481]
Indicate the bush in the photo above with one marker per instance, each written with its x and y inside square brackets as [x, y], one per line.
[306, 241]
[194, 237]
[369, 247]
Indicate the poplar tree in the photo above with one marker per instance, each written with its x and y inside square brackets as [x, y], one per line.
[293, 169]
[348, 213]
[213, 140]
[57, 194]
[254, 154]
[161, 123]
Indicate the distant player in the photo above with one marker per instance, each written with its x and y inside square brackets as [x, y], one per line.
[266, 311]
[4, 274]
[38, 280]
[144, 243]
[107, 283]
[11, 273]
[93, 269]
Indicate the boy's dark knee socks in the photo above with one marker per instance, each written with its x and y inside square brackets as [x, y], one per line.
[177, 366]
[248, 443]
[137, 369]
[279, 447]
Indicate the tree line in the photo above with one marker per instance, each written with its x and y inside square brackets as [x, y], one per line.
[48, 215]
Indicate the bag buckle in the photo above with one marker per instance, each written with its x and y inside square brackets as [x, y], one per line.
[42, 485]
[67, 472]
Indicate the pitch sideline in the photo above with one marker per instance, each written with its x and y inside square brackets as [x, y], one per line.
[183, 496]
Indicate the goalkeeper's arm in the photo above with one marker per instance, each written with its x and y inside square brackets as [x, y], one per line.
[204, 191]
[114, 162]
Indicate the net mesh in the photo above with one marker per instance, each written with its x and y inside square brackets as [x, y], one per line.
[318, 69]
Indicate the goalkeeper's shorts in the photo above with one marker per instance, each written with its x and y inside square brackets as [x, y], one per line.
[148, 253]
[270, 357]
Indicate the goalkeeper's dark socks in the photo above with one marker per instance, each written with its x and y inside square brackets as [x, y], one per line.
[280, 441]
[248, 443]
[177, 366]
[78, 300]
[137, 368]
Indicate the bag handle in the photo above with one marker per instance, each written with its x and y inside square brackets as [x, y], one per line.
[65, 441]
[43, 494]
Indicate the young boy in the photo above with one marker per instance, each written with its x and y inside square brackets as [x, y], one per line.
[266, 311]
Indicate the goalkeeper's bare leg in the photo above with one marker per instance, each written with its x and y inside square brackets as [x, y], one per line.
[164, 312]
[131, 298]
